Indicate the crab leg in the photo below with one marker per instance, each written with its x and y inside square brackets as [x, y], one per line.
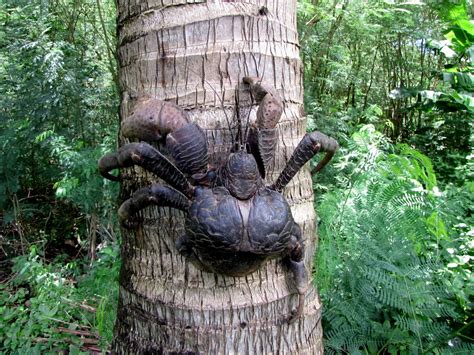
[152, 195]
[154, 120]
[311, 144]
[298, 269]
[144, 155]
[262, 134]
[188, 147]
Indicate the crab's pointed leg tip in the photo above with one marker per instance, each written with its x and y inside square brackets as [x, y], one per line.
[247, 80]
[291, 319]
[294, 316]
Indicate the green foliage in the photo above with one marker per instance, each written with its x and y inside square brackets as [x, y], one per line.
[355, 52]
[46, 308]
[395, 257]
[58, 109]
[457, 50]
[390, 246]
[58, 116]
[405, 67]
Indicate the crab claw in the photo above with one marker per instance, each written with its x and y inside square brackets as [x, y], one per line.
[270, 104]
[152, 119]
[156, 120]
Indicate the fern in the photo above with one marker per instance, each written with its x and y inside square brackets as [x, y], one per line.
[377, 268]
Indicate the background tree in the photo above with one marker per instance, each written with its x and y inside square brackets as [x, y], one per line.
[195, 55]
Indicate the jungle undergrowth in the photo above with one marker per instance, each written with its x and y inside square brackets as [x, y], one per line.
[394, 263]
[50, 307]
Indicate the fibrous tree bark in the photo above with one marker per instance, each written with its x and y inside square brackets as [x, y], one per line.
[195, 53]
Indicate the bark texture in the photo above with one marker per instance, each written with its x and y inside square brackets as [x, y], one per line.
[195, 53]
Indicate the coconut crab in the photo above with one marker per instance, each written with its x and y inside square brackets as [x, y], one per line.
[234, 222]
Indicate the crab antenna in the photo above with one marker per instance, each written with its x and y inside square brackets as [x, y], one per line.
[240, 136]
[221, 99]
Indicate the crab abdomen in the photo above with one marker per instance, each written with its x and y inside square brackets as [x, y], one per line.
[233, 237]
[270, 223]
[214, 221]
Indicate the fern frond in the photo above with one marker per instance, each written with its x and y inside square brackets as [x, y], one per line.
[458, 347]
[387, 288]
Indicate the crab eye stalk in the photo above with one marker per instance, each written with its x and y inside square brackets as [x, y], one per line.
[241, 176]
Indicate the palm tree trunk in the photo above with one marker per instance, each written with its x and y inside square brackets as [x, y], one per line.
[195, 53]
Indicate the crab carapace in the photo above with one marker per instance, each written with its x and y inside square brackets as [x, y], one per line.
[234, 221]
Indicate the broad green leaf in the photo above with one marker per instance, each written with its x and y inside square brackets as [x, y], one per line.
[460, 81]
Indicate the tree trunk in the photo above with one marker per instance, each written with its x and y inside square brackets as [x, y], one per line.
[195, 53]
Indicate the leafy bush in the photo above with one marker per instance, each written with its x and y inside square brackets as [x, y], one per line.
[52, 307]
[390, 254]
